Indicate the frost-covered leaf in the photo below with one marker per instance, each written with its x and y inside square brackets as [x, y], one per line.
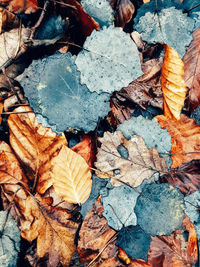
[134, 241]
[119, 207]
[100, 10]
[172, 82]
[169, 26]
[109, 61]
[125, 160]
[71, 176]
[9, 240]
[152, 134]
[160, 209]
[53, 88]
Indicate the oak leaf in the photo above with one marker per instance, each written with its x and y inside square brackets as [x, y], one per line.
[185, 139]
[71, 176]
[192, 70]
[21, 6]
[127, 161]
[35, 146]
[173, 86]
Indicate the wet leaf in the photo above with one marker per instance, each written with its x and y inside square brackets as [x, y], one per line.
[21, 6]
[35, 146]
[186, 177]
[71, 176]
[125, 160]
[173, 86]
[156, 205]
[192, 70]
[185, 139]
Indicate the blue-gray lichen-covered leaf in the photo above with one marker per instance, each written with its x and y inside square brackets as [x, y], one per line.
[160, 209]
[53, 88]
[9, 240]
[134, 241]
[192, 205]
[152, 134]
[100, 10]
[109, 61]
[170, 26]
[97, 185]
[119, 207]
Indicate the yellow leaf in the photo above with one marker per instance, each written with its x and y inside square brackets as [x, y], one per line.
[71, 176]
[172, 82]
[35, 146]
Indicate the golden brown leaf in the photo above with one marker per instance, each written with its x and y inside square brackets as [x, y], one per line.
[20, 6]
[35, 146]
[8, 20]
[1, 109]
[192, 70]
[185, 139]
[139, 164]
[71, 176]
[173, 85]
[54, 230]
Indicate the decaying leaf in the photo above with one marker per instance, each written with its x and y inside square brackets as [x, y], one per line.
[71, 176]
[174, 250]
[154, 207]
[173, 86]
[21, 6]
[185, 139]
[124, 11]
[125, 160]
[35, 146]
[8, 20]
[192, 70]
[186, 177]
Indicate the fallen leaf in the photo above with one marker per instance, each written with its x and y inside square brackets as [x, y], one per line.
[174, 250]
[192, 71]
[71, 176]
[8, 20]
[172, 83]
[1, 108]
[185, 139]
[125, 160]
[35, 146]
[186, 177]
[124, 11]
[86, 149]
[21, 6]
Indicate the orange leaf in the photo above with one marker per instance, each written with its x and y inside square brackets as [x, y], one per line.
[1, 109]
[192, 70]
[7, 20]
[71, 176]
[185, 139]
[35, 146]
[21, 6]
[172, 83]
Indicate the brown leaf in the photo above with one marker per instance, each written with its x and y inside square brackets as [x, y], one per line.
[8, 20]
[174, 250]
[186, 177]
[192, 70]
[71, 176]
[185, 139]
[173, 85]
[1, 108]
[124, 11]
[140, 163]
[52, 227]
[21, 6]
[35, 146]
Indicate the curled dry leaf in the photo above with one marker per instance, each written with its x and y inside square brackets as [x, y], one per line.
[175, 249]
[173, 85]
[71, 176]
[20, 6]
[185, 139]
[186, 177]
[35, 146]
[192, 70]
[128, 161]
[123, 12]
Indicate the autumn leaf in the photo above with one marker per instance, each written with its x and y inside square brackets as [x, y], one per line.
[1, 109]
[185, 139]
[125, 160]
[8, 20]
[35, 146]
[192, 70]
[173, 86]
[131, 262]
[21, 6]
[71, 176]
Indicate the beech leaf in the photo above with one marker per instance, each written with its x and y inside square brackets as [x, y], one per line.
[173, 85]
[125, 160]
[71, 176]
